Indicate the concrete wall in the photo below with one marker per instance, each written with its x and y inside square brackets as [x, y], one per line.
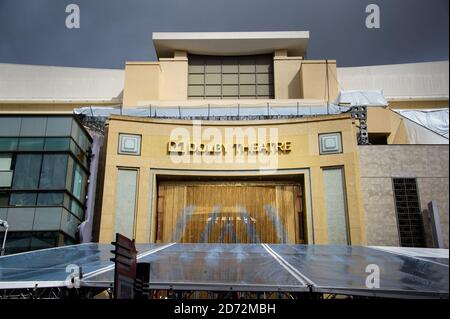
[379, 164]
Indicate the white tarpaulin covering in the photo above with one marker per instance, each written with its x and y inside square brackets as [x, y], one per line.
[215, 111]
[361, 98]
[418, 134]
[434, 119]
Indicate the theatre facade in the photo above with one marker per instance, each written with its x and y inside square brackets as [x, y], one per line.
[238, 142]
[299, 184]
[237, 138]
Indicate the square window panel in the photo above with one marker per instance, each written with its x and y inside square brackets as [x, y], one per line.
[31, 144]
[20, 219]
[230, 79]
[330, 143]
[213, 90]
[196, 79]
[196, 90]
[8, 143]
[10, 126]
[59, 126]
[33, 126]
[212, 79]
[48, 218]
[129, 144]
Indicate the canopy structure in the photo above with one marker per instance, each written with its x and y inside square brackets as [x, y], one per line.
[328, 269]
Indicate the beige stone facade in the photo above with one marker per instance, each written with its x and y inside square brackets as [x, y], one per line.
[379, 164]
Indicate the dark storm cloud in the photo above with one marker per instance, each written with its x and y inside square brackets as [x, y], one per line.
[114, 31]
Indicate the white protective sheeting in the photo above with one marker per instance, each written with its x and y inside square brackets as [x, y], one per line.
[361, 98]
[418, 134]
[434, 119]
[214, 111]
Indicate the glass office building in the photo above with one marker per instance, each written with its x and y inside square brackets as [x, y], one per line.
[44, 171]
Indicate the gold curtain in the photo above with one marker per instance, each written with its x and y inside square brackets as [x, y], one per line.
[230, 212]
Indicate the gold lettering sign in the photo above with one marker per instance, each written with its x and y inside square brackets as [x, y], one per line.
[214, 149]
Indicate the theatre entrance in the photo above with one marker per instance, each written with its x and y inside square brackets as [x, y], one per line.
[231, 211]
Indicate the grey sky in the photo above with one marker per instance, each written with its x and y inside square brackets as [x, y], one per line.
[114, 31]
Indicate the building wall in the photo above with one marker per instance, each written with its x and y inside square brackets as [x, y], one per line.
[383, 120]
[174, 78]
[287, 80]
[167, 79]
[379, 164]
[146, 82]
[319, 80]
[141, 82]
[425, 82]
[304, 157]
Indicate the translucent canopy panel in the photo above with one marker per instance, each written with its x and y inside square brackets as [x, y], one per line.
[213, 267]
[49, 267]
[244, 267]
[346, 268]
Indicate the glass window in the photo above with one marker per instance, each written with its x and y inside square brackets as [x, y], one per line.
[57, 143]
[23, 199]
[20, 218]
[69, 224]
[10, 126]
[8, 143]
[5, 162]
[3, 213]
[53, 174]
[74, 207]
[59, 126]
[48, 218]
[42, 240]
[79, 136]
[50, 199]
[31, 144]
[18, 242]
[26, 171]
[33, 126]
[4, 199]
[78, 184]
[70, 169]
[335, 203]
[244, 73]
[68, 241]
[77, 152]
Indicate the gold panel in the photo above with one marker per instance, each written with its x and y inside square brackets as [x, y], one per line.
[230, 212]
